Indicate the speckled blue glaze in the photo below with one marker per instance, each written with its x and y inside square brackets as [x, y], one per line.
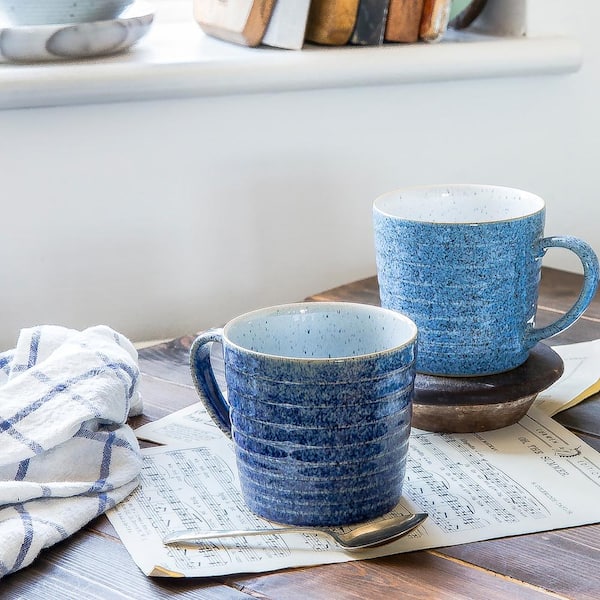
[295, 468]
[347, 413]
[463, 261]
[358, 500]
[321, 435]
[317, 513]
[323, 488]
[325, 455]
[319, 401]
[320, 473]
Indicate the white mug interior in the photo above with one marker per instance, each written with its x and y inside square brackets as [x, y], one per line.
[459, 203]
[321, 330]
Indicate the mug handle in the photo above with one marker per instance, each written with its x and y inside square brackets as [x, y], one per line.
[204, 379]
[589, 260]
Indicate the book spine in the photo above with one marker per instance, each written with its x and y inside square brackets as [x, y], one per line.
[370, 23]
[404, 21]
[331, 22]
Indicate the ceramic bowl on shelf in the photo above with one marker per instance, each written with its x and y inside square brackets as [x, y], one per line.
[40, 43]
[46, 12]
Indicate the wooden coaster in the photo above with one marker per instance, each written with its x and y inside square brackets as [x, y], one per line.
[471, 404]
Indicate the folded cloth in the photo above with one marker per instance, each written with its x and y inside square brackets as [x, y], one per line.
[66, 454]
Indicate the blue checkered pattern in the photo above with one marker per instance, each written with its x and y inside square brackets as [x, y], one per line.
[66, 454]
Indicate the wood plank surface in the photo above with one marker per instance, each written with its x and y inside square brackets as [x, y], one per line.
[417, 575]
[564, 561]
[88, 565]
[558, 564]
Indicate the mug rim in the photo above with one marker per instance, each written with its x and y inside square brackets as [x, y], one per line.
[295, 307]
[457, 186]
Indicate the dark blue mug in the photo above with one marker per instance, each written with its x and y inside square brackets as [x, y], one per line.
[318, 405]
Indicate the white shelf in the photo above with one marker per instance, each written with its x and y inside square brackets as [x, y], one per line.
[178, 60]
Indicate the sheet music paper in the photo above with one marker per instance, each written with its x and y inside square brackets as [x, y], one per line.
[579, 381]
[532, 476]
[186, 426]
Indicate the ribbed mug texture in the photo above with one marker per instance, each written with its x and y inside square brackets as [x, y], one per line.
[321, 437]
[464, 262]
[472, 290]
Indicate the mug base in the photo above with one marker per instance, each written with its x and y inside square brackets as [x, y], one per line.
[468, 366]
[322, 516]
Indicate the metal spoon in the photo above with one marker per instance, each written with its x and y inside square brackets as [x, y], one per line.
[367, 535]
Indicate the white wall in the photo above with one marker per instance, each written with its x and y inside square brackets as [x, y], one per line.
[163, 218]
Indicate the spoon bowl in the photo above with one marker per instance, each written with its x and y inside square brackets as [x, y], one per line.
[367, 535]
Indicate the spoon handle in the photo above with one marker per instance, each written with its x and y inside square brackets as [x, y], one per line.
[192, 536]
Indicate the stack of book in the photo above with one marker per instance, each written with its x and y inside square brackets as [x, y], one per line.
[291, 23]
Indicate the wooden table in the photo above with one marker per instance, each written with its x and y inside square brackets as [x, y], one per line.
[559, 564]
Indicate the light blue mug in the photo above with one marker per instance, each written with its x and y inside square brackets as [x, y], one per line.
[318, 404]
[463, 261]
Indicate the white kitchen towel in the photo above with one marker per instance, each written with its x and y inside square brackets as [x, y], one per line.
[66, 454]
